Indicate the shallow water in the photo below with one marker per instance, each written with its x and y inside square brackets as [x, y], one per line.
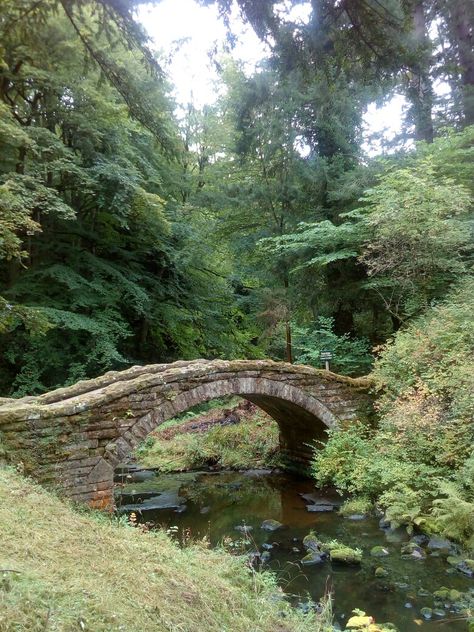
[211, 505]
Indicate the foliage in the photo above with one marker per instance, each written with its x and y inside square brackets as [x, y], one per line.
[418, 236]
[101, 266]
[250, 443]
[454, 510]
[431, 359]
[417, 465]
[350, 356]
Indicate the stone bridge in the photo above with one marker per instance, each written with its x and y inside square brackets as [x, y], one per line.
[72, 438]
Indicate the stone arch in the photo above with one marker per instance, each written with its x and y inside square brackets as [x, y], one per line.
[73, 437]
[301, 417]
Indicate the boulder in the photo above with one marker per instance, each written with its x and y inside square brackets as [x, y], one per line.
[426, 613]
[319, 508]
[411, 550]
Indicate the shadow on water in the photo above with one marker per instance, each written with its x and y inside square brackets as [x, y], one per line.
[212, 504]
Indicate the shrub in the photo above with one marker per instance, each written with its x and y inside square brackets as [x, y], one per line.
[351, 356]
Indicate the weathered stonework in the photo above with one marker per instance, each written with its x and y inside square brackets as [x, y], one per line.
[72, 438]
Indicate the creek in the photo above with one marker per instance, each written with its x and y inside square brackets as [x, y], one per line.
[193, 505]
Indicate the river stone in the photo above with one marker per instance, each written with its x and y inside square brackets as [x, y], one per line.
[167, 500]
[466, 567]
[204, 510]
[381, 572]
[426, 613]
[243, 528]
[356, 517]
[140, 475]
[439, 544]
[442, 593]
[421, 539]
[455, 595]
[316, 499]
[319, 508]
[312, 558]
[311, 542]
[384, 523]
[270, 525]
[412, 551]
[346, 555]
[267, 547]
[379, 551]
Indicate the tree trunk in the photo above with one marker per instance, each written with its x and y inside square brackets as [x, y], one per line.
[420, 90]
[289, 349]
[461, 27]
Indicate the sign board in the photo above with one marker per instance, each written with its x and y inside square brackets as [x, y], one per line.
[326, 355]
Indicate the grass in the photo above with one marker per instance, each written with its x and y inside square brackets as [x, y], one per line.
[75, 570]
[254, 442]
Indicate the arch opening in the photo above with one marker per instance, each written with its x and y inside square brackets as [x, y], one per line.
[301, 418]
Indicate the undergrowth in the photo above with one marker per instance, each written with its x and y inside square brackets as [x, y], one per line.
[418, 465]
[251, 443]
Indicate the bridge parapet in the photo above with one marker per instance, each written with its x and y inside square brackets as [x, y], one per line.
[73, 437]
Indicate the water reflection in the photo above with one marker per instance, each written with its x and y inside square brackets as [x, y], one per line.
[212, 505]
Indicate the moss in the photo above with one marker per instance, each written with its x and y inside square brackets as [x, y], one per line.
[346, 555]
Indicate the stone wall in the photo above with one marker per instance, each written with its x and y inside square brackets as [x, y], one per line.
[72, 438]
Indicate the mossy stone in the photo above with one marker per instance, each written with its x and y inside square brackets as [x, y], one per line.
[379, 551]
[311, 542]
[346, 555]
[426, 613]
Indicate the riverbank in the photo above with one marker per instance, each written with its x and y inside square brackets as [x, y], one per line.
[63, 569]
[233, 435]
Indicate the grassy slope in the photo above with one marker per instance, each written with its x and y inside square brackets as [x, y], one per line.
[86, 572]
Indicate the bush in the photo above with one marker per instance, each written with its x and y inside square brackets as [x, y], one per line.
[418, 463]
[351, 356]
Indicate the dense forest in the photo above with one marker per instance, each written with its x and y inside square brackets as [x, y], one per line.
[258, 226]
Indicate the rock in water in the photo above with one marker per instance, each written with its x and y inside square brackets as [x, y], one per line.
[243, 528]
[346, 555]
[379, 551]
[426, 613]
[413, 551]
[271, 525]
[439, 544]
[320, 508]
[312, 558]
[311, 542]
